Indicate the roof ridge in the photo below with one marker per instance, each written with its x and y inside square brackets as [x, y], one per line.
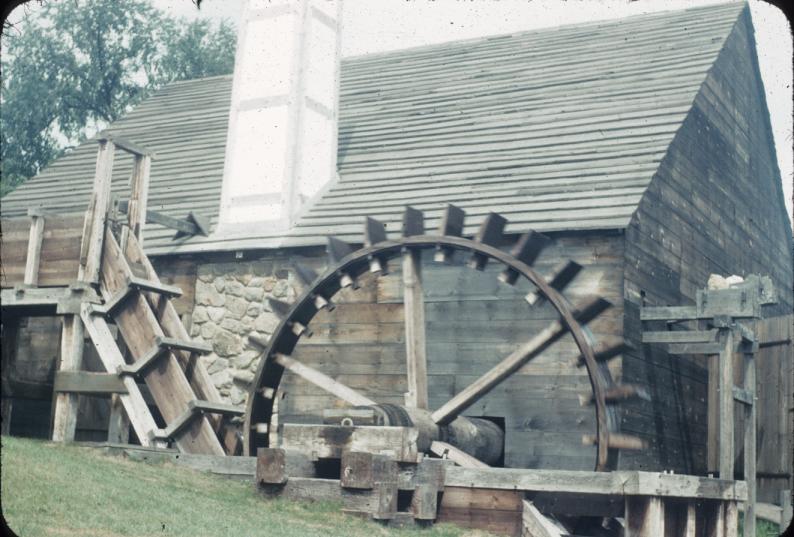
[599, 22]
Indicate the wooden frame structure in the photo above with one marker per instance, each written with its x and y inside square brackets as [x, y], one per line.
[116, 283]
[381, 486]
[728, 342]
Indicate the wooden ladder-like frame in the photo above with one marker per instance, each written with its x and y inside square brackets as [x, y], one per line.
[163, 356]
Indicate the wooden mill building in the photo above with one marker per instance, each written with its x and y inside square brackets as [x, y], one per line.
[642, 146]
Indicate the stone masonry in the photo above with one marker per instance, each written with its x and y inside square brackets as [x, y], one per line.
[231, 303]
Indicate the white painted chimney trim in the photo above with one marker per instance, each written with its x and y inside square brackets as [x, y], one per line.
[283, 122]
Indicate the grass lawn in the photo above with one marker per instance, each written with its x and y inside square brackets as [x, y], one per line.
[68, 491]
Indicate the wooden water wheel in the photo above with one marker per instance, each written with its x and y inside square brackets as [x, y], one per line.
[346, 265]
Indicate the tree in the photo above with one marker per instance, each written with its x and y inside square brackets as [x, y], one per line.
[75, 67]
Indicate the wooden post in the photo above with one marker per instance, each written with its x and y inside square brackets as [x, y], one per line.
[8, 342]
[713, 415]
[732, 519]
[415, 350]
[119, 424]
[691, 520]
[750, 429]
[726, 404]
[94, 229]
[785, 504]
[139, 194]
[33, 259]
[65, 414]
[644, 516]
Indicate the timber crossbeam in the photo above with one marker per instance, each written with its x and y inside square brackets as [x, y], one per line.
[502, 500]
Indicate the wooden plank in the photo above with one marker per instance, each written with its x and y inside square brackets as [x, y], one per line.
[323, 381]
[126, 145]
[133, 401]
[496, 511]
[271, 466]
[84, 382]
[140, 329]
[330, 441]
[750, 443]
[668, 313]
[644, 517]
[94, 228]
[139, 195]
[726, 405]
[535, 524]
[65, 412]
[172, 326]
[414, 312]
[119, 423]
[694, 348]
[680, 336]
[458, 456]
[34, 251]
[732, 521]
[619, 483]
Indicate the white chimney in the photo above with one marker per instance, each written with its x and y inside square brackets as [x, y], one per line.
[282, 136]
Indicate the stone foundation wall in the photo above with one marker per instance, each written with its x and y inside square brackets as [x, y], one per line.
[231, 303]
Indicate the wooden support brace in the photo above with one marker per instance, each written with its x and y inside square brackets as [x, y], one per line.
[33, 259]
[726, 455]
[644, 516]
[458, 456]
[65, 418]
[534, 524]
[680, 336]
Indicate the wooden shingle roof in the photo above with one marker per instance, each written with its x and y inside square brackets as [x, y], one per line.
[557, 129]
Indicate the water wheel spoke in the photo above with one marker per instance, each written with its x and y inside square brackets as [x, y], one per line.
[487, 382]
[322, 381]
[514, 361]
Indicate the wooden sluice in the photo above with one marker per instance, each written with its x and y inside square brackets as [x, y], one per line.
[100, 282]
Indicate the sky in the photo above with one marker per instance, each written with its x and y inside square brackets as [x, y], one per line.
[370, 26]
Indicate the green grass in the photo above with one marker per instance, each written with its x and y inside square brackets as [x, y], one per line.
[68, 491]
[763, 528]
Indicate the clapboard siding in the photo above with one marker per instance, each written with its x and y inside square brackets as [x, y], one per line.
[473, 321]
[714, 206]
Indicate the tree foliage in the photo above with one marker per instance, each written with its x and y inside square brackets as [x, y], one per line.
[76, 66]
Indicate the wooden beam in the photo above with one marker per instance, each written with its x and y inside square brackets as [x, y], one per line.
[750, 443]
[330, 441]
[65, 413]
[139, 195]
[172, 326]
[668, 313]
[192, 224]
[323, 381]
[126, 145]
[680, 336]
[535, 524]
[33, 259]
[618, 483]
[140, 329]
[134, 404]
[94, 228]
[84, 382]
[694, 348]
[415, 340]
[644, 517]
[726, 404]
[458, 456]
[487, 382]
